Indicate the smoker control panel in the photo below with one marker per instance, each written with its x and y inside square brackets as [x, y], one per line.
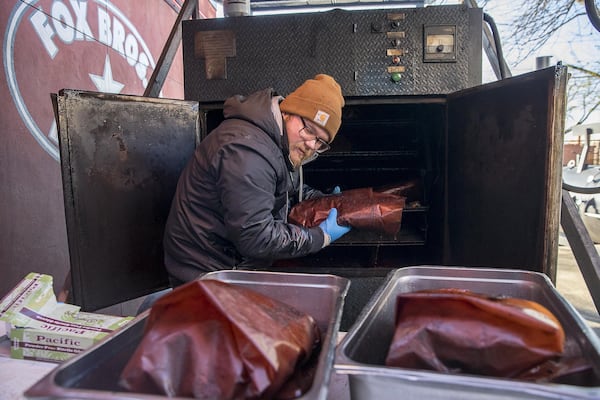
[395, 37]
[439, 44]
[405, 51]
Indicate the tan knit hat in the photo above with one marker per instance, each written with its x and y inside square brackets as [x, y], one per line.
[319, 100]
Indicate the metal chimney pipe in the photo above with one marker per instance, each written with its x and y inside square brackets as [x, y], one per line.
[542, 62]
[236, 8]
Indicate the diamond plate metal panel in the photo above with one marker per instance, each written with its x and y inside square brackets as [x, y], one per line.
[281, 51]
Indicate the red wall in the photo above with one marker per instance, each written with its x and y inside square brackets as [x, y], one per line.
[97, 45]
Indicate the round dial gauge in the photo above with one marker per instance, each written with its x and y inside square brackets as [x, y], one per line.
[440, 43]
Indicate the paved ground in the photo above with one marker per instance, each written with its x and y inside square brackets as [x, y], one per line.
[571, 285]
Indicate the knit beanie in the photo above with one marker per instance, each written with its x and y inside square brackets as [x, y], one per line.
[319, 100]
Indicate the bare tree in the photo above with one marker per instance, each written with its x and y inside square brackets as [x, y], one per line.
[583, 93]
[536, 23]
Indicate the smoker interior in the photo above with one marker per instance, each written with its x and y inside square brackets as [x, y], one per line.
[381, 144]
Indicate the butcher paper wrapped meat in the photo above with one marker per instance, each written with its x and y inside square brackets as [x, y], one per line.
[360, 208]
[411, 189]
[451, 330]
[215, 340]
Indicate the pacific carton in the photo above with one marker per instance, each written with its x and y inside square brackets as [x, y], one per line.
[40, 328]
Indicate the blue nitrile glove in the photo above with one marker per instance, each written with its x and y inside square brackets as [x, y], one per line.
[336, 190]
[332, 230]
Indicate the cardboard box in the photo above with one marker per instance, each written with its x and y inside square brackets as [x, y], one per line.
[40, 328]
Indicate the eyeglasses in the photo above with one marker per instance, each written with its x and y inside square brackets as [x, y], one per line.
[307, 133]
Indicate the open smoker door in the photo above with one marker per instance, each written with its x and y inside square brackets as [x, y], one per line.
[121, 157]
[504, 152]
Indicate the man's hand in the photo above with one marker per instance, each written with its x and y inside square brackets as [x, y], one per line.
[332, 230]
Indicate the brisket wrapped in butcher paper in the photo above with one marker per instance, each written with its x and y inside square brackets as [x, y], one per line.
[210, 339]
[458, 331]
[360, 208]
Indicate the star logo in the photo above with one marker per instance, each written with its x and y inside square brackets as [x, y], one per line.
[106, 83]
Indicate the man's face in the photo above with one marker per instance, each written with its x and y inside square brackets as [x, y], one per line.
[304, 139]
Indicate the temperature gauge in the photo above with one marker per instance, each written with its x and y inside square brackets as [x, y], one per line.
[439, 43]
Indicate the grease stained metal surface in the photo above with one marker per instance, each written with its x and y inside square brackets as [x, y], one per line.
[121, 157]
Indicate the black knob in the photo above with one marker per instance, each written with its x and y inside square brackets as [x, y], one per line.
[376, 27]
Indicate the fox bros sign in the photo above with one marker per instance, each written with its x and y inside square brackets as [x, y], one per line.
[75, 44]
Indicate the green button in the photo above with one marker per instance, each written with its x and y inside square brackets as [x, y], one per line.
[396, 76]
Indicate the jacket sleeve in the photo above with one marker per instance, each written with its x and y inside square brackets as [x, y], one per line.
[247, 182]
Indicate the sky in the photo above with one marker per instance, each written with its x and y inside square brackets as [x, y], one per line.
[561, 47]
[565, 46]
